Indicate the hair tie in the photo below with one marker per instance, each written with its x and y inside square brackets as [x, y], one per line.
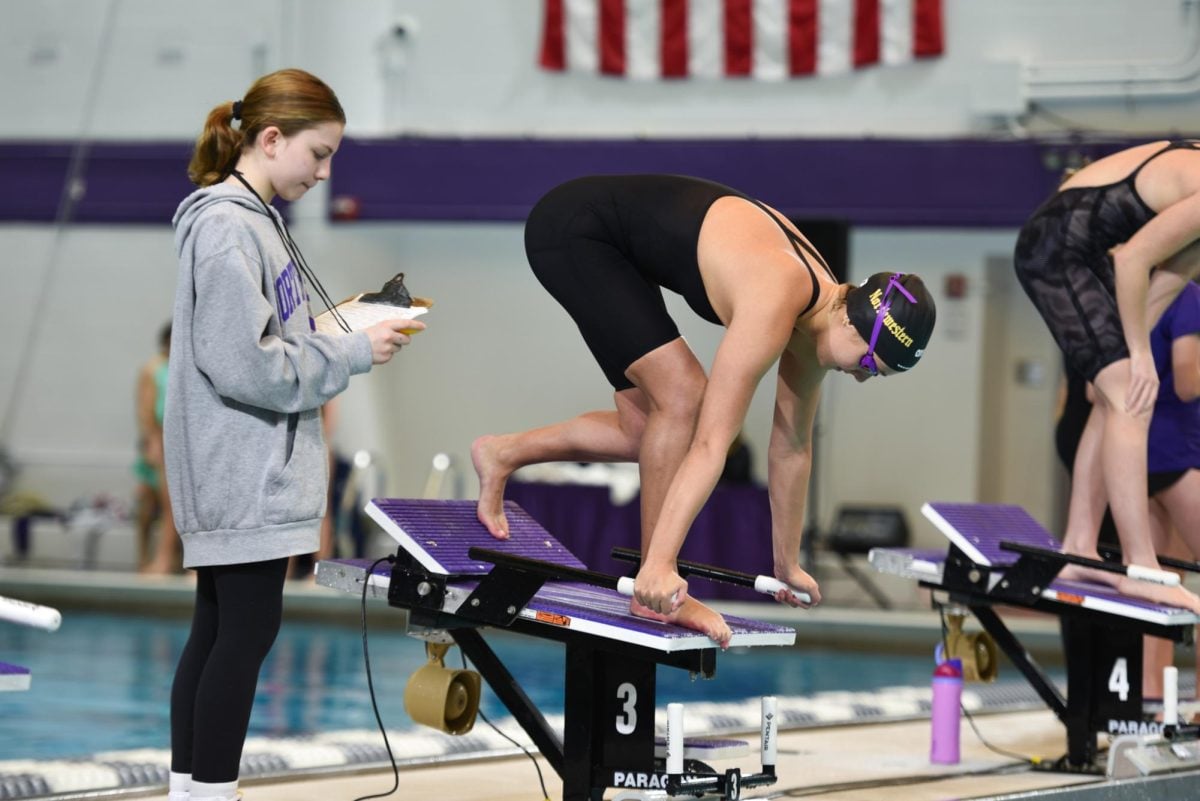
[237, 109]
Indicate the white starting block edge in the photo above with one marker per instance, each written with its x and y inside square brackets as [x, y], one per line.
[407, 543]
[14, 678]
[953, 534]
[348, 577]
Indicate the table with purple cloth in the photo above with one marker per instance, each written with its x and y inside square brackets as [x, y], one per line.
[733, 530]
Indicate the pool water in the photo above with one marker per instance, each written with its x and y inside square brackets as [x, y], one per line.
[102, 682]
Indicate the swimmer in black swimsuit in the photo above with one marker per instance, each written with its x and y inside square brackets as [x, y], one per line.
[605, 247]
[1102, 259]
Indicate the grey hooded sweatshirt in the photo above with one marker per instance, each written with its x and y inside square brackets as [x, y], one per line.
[245, 458]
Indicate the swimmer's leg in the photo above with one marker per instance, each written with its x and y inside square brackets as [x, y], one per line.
[1122, 464]
[600, 436]
[672, 384]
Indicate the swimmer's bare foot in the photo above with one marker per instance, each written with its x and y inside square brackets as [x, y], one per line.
[493, 475]
[692, 615]
[1146, 590]
[1180, 597]
[1090, 574]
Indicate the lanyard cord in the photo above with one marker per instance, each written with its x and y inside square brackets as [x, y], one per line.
[293, 250]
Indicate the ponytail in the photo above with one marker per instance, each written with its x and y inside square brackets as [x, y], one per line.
[217, 148]
[292, 100]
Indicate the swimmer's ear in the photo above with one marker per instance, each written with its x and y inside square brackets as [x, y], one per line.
[839, 298]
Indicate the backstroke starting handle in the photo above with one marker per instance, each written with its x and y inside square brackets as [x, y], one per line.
[553, 570]
[1165, 561]
[27, 614]
[1148, 574]
[764, 584]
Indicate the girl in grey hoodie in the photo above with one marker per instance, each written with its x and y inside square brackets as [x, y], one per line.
[246, 462]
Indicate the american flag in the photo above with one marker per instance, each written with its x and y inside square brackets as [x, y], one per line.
[759, 39]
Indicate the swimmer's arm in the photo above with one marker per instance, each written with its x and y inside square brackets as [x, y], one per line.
[751, 344]
[1159, 241]
[1132, 285]
[789, 460]
[1185, 364]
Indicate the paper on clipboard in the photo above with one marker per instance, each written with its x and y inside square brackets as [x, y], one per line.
[359, 315]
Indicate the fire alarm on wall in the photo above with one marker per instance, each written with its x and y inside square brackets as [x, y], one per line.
[956, 286]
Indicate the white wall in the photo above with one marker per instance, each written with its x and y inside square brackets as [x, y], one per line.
[469, 66]
[499, 355]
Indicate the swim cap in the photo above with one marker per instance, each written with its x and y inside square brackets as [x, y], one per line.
[906, 327]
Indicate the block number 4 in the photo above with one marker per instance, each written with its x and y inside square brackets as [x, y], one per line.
[627, 717]
[1118, 680]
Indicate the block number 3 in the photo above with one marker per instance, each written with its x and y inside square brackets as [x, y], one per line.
[627, 717]
[1118, 680]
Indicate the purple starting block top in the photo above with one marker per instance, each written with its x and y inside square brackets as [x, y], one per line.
[575, 606]
[14, 677]
[977, 529]
[439, 534]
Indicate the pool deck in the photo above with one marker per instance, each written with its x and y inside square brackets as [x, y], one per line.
[842, 759]
[847, 763]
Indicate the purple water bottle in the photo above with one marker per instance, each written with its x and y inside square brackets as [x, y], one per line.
[947, 700]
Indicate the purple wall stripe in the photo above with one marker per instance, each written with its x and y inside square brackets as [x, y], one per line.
[945, 182]
[125, 182]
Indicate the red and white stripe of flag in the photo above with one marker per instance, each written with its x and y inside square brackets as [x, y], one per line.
[762, 39]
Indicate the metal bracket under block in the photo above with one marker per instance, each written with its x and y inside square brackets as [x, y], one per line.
[1136, 755]
[413, 587]
[501, 595]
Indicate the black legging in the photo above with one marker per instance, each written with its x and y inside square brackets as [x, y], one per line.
[238, 612]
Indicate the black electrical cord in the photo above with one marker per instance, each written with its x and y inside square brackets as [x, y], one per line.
[375, 705]
[825, 790]
[532, 758]
[371, 684]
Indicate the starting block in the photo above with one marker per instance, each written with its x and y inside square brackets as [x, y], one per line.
[1000, 555]
[456, 580]
[14, 677]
